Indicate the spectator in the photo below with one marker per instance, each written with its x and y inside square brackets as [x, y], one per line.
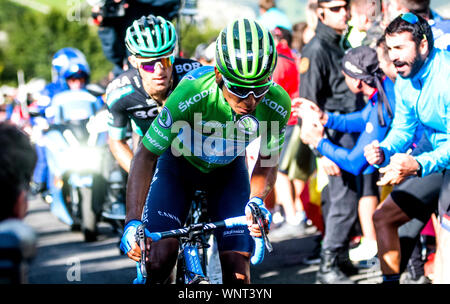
[386, 63]
[439, 26]
[417, 7]
[291, 177]
[409, 232]
[204, 53]
[17, 161]
[322, 82]
[298, 36]
[272, 17]
[311, 20]
[113, 18]
[422, 99]
[363, 75]
[363, 14]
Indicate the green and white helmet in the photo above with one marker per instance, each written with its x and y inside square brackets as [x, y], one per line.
[150, 36]
[245, 52]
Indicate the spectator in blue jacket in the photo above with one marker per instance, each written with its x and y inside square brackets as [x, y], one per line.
[362, 73]
[422, 98]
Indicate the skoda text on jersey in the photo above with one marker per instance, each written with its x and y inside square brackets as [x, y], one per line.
[198, 123]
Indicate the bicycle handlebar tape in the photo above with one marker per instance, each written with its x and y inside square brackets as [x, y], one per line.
[140, 278]
[258, 254]
[236, 221]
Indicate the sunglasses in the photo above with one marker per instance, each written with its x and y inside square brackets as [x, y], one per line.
[336, 9]
[243, 91]
[150, 66]
[413, 19]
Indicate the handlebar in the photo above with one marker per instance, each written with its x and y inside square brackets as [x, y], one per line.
[260, 242]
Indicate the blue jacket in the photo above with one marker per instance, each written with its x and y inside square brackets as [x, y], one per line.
[441, 34]
[364, 122]
[425, 99]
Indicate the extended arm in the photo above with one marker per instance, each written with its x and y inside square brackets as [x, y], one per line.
[139, 178]
[263, 179]
[121, 152]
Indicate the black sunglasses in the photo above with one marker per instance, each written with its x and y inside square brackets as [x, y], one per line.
[336, 9]
[243, 91]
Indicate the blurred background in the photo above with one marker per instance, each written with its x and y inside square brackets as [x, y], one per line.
[31, 31]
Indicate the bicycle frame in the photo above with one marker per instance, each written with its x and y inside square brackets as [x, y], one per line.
[188, 237]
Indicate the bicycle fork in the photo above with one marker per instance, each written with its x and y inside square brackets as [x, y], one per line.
[194, 270]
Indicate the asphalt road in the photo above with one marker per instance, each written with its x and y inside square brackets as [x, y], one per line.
[64, 258]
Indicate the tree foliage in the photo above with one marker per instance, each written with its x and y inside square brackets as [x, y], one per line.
[33, 38]
[192, 36]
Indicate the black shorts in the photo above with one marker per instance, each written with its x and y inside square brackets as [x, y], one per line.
[369, 184]
[297, 160]
[283, 153]
[170, 196]
[418, 196]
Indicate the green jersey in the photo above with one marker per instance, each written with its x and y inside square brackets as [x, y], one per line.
[199, 124]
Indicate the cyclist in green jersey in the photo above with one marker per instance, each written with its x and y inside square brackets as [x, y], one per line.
[199, 139]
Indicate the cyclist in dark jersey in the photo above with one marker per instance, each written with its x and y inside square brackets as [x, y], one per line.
[207, 122]
[138, 94]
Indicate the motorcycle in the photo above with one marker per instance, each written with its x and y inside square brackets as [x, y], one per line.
[79, 162]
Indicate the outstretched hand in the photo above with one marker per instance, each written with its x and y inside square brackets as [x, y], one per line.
[305, 108]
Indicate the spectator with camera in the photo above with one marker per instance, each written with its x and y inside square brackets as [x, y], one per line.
[114, 16]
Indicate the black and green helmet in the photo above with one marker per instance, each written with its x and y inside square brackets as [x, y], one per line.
[150, 36]
[245, 52]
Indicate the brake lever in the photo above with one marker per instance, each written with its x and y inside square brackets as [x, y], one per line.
[140, 239]
[258, 218]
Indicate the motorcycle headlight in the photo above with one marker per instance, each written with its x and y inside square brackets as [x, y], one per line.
[85, 159]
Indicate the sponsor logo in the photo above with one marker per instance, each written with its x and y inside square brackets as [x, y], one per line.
[184, 105]
[136, 81]
[165, 118]
[233, 232]
[186, 67]
[168, 215]
[351, 67]
[248, 125]
[117, 83]
[146, 114]
[369, 128]
[159, 132]
[153, 142]
[275, 106]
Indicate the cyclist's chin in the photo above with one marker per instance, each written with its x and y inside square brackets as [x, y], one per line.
[159, 85]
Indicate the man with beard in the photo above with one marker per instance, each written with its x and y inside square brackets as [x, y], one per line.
[422, 98]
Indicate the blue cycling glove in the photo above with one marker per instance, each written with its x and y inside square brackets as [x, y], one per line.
[260, 203]
[129, 236]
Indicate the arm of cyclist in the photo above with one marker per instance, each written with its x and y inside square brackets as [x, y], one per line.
[262, 181]
[139, 179]
[121, 152]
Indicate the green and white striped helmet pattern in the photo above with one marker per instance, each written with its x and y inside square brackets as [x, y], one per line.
[245, 52]
[150, 37]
